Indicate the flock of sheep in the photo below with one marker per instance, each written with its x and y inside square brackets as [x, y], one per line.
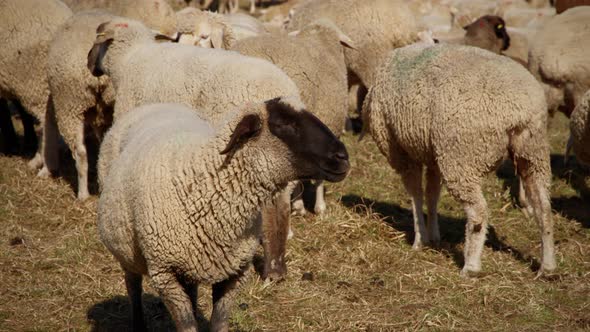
[209, 122]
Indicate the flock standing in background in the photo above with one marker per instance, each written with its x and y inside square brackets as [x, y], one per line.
[206, 146]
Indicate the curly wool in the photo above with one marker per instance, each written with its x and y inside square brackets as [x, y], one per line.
[376, 27]
[580, 129]
[170, 169]
[26, 31]
[559, 60]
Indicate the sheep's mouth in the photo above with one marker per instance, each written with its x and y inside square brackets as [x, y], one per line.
[334, 175]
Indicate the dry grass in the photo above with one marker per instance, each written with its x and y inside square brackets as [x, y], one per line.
[56, 275]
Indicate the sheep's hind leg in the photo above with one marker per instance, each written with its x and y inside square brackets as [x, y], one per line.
[538, 196]
[222, 296]
[134, 291]
[433, 187]
[81, 157]
[176, 300]
[412, 179]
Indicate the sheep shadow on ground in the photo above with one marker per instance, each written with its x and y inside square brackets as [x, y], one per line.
[572, 207]
[114, 315]
[452, 230]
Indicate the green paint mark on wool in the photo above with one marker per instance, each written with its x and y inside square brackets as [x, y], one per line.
[406, 65]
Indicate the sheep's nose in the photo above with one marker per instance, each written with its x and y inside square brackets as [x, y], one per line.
[343, 155]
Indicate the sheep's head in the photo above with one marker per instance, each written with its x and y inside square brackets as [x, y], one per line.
[204, 29]
[479, 32]
[292, 137]
[125, 31]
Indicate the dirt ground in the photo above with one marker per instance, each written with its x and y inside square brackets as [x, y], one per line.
[350, 270]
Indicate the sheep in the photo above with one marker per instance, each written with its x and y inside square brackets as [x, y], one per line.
[204, 29]
[80, 99]
[245, 26]
[26, 30]
[314, 60]
[376, 26]
[459, 110]
[559, 59]
[209, 80]
[580, 129]
[180, 203]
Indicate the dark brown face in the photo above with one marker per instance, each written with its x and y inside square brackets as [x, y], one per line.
[499, 27]
[322, 155]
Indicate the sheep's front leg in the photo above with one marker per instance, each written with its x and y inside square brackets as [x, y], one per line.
[81, 157]
[222, 296]
[433, 187]
[275, 225]
[176, 300]
[134, 291]
[475, 232]
[320, 203]
[412, 179]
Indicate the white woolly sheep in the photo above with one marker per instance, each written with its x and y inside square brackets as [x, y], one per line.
[26, 31]
[558, 57]
[204, 29]
[459, 110]
[375, 26]
[180, 202]
[80, 99]
[580, 129]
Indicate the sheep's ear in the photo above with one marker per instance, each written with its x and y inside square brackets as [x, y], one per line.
[247, 128]
[98, 50]
[501, 33]
[217, 38]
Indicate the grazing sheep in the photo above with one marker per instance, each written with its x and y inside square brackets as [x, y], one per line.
[180, 203]
[80, 99]
[459, 110]
[558, 58]
[580, 129]
[204, 29]
[26, 29]
[376, 26]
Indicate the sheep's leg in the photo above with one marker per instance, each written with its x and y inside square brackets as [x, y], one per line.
[475, 230]
[7, 129]
[538, 195]
[275, 225]
[176, 300]
[50, 144]
[222, 298]
[134, 291]
[568, 149]
[412, 179]
[298, 205]
[192, 290]
[433, 187]
[252, 6]
[523, 200]
[81, 157]
[320, 203]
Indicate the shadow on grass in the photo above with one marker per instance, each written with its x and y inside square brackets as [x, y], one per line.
[114, 315]
[572, 207]
[452, 230]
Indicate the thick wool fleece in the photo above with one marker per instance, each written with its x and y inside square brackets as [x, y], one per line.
[559, 59]
[172, 203]
[211, 81]
[314, 60]
[580, 129]
[459, 111]
[375, 26]
[26, 30]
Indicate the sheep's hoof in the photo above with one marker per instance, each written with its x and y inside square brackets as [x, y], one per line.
[320, 208]
[36, 162]
[299, 208]
[417, 246]
[275, 273]
[44, 172]
[83, 195]
[466, 273]
[290, 234]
